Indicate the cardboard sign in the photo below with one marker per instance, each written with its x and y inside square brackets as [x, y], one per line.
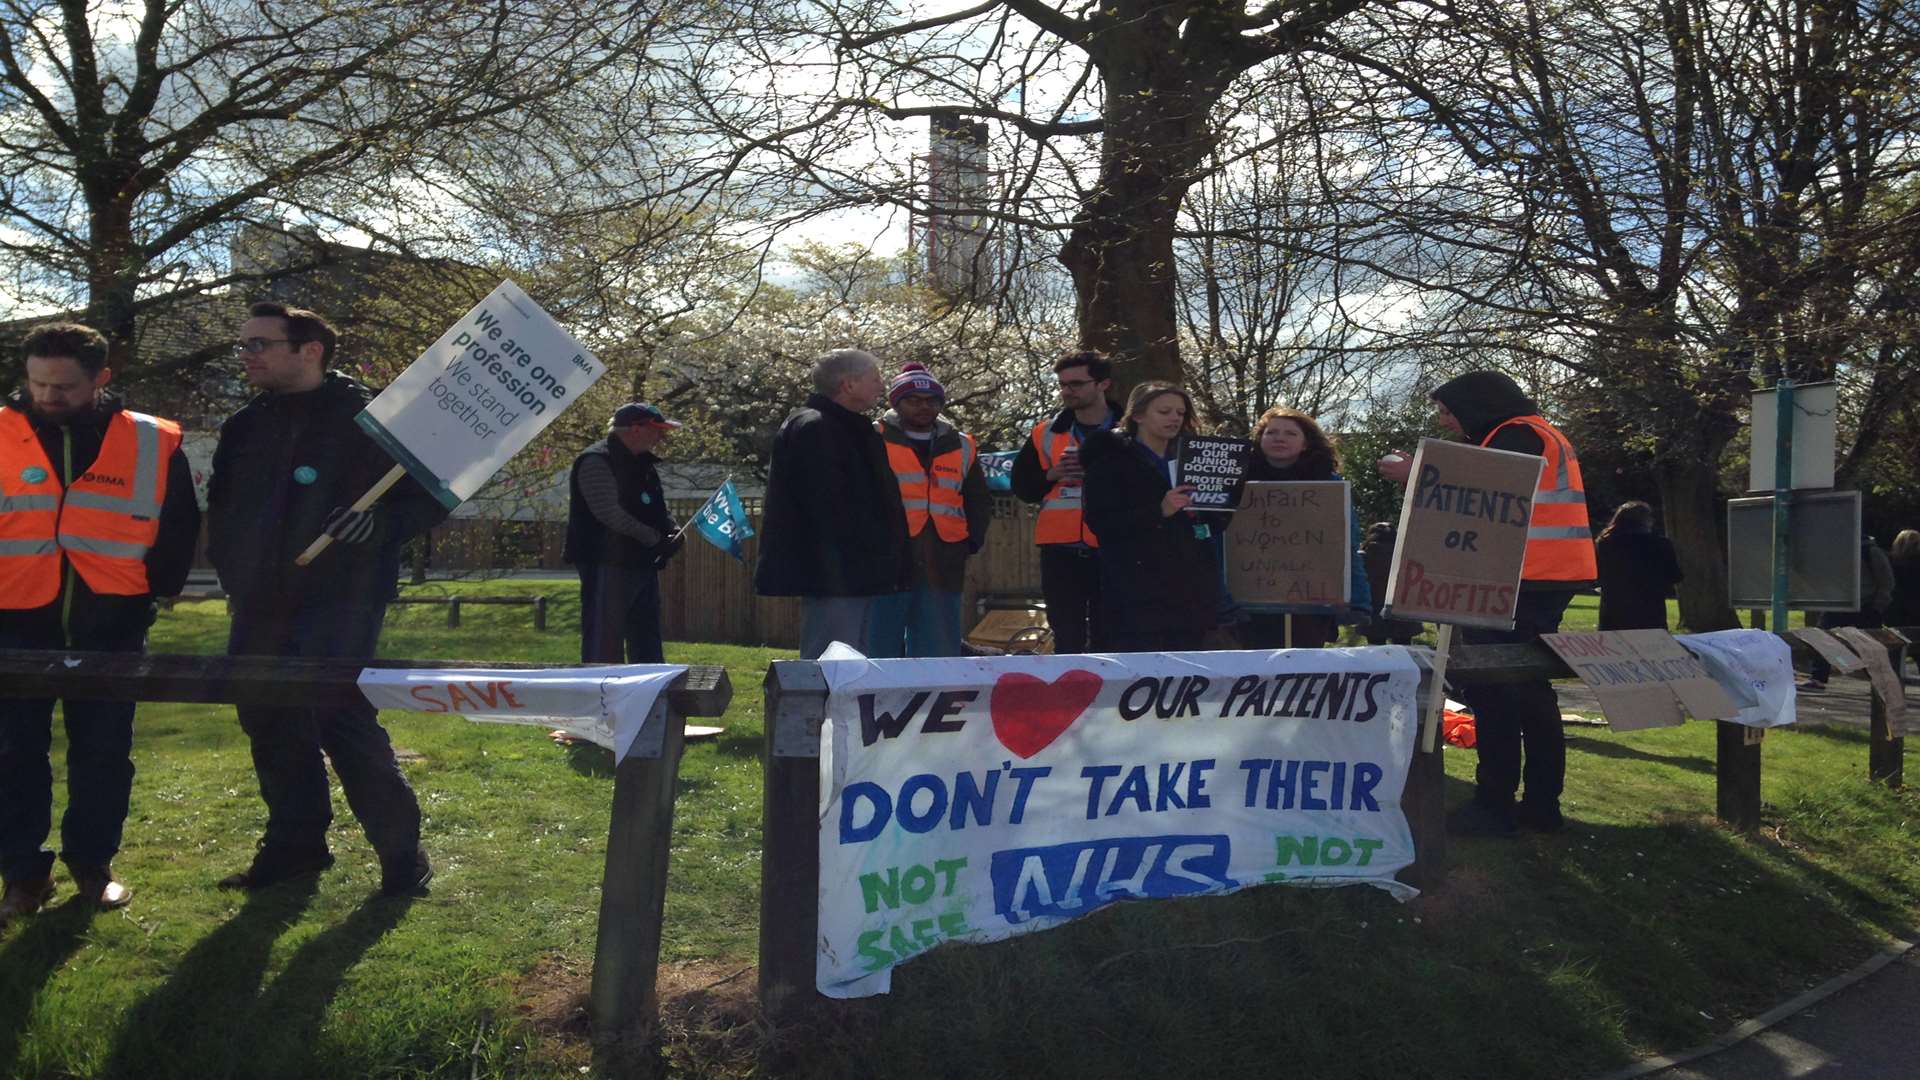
[1216, 468]
[1886, 681]
[1463, 535]
[1291, 546]
[1838, 656]
[478, 395]
[1643, 678]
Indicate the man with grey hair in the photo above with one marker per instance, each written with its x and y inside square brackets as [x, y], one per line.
[832, 531]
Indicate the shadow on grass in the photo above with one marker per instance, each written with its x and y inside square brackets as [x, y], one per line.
[38, 949]
[1609, 749]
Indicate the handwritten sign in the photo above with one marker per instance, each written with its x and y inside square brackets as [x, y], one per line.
[1291, 546]
[1885, 680]
[1643, 678]
[606, 706]
[1215, 467]
[480, 394]
[1463, 535]
[1837, 656]
[976, 799]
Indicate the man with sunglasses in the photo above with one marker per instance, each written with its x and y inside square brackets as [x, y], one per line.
[1047, 472]
[288, 466]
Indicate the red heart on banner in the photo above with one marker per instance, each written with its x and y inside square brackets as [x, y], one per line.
[1029, 712]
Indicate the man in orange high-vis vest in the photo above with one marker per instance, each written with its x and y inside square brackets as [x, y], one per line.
[1047, 472]
[943, 493]
[97, 517]
[1489, 409]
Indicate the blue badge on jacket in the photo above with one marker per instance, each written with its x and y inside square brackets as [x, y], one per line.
[647, 498]
[33, 474]
[306, 474]
[1202, 532]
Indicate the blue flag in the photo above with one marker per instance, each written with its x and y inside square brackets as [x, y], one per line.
[723, 521]
[998, 467]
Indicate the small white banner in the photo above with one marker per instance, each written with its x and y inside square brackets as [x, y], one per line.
[976, 799]
[606, 706]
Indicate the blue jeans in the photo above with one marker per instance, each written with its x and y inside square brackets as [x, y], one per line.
[923, 622]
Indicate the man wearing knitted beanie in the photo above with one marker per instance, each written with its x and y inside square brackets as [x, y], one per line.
[944, 495]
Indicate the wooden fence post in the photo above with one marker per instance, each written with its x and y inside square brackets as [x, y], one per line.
[453, 613]
[633, 895]
[796, 704]
[1425, 801]
[1737, 770]
[1886, 750]
[540, 613]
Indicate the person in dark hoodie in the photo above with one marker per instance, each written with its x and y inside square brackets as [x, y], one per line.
[1638, 569]
[833, 531]
[1489, 409]
[944, 495]
[97, 517]
[287, 468]
[619, 534]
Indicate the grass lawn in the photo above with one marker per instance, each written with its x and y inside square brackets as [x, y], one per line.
[1647, 927]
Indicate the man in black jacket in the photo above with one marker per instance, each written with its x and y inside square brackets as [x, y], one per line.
[81, 558]
[618, 534]
[833, 532]
[288, 466]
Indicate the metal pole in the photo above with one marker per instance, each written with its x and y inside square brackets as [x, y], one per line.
[1782, 496]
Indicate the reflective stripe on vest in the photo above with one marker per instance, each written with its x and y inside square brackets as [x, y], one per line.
[1059, 520]
[1559, 539]
[940, 500]
[105, 521]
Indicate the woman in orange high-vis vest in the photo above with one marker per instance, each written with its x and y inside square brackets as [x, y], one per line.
[97, 516]
[1518, 724]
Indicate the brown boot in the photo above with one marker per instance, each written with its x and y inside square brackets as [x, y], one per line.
[96, 885]
[24, 897]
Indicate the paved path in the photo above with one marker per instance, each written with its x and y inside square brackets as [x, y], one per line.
[1863, 1032]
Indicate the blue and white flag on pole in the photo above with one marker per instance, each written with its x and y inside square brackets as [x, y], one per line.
[998, 469]
[723, 521]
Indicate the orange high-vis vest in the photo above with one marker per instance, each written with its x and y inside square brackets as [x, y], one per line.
[1560, 538]
[103, 523]
[934, 497]
[1060, 520]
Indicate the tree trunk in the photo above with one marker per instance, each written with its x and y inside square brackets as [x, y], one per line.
[113, 273]
[1121, 257]
[1690, 497]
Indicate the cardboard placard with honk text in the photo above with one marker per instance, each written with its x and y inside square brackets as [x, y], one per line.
[1643, 678]
[1291, 546]
[1463, 535]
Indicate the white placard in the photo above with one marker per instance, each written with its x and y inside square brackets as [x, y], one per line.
[606, 706]
[478, 395]
[1815, 412]
[976, 799]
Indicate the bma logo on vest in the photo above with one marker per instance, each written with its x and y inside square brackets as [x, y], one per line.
[102, 478]
[1072, 879]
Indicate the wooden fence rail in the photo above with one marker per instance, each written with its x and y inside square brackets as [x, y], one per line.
[633, 889]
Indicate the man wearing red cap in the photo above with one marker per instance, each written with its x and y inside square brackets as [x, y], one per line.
[619, 535]
[948, 509]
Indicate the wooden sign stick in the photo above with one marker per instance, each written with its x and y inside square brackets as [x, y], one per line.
[321, 542]
[1437, 693]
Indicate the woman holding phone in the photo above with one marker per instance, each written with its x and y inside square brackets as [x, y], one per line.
[1159, 576]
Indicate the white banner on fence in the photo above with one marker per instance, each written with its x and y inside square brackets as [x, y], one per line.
[1752, 665]
[606, 706]
[976, 799]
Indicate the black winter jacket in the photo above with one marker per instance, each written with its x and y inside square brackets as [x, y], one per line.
[284, 462]
[79, 617]
[1638, 569]
[1156, 573]
[832, 525]
[638, 479]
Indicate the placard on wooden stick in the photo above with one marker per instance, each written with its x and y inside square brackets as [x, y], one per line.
[1216, 468]
[1643, 678]
[1291, 546]
[1463, 535]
